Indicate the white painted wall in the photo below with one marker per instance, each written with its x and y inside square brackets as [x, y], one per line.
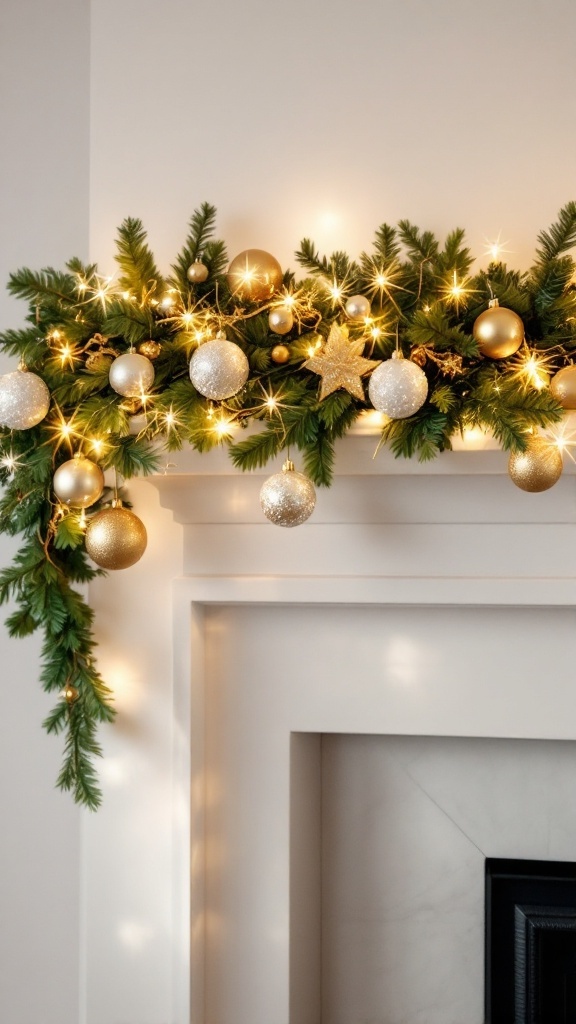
[44, 59]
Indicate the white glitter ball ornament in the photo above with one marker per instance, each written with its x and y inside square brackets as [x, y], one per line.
[24, 400]
[288, 498]
[131, 375]
[219, 368]
[398, 387]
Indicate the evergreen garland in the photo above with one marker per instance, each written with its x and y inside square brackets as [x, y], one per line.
[424, 298]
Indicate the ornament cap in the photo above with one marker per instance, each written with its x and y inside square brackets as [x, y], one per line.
[288, 466]
[117, 503]
[22, 366]
[397, 354]
[493, 303]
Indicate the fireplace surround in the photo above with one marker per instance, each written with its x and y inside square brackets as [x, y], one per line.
[428, 602]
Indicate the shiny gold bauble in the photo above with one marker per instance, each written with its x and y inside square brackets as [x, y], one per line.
[116, 538]
[538, 468]
[254, 275]
[563, 387]
[358, 307]
[498, 331]
[280, 354]
[150, 349]
[78, 482]
[71, 694]
[197, 272]
[281, 320]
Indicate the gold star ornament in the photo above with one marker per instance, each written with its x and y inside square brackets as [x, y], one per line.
[341, 364]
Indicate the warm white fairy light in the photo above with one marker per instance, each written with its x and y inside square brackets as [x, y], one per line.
[533, 368]
[10, 462]
[495, 249]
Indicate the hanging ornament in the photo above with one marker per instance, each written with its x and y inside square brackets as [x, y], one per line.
[78, 482]
[341, 364]
[288, 498]
[498, 331]
[24, 399]
[70, 693]
[150, 349]
[254, 275]
[358, 307]
[115, 537]
[131, 375]
[281, 320]
[398, 387]
[197, 272]
[538, 468]
[280, 354]
[219, 368]
[563, 387]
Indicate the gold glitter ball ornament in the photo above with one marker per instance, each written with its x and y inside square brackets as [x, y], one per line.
[151, 349]
[78, 482]
[116, 538]
[131, 375]
[24, 399]
[498, 331]
[288, 498]
[538, 468]
[197, 272]
[254, 275]
[281, 320]
[398, 387]
[280, 354]
[563, 387]
[219, 369]
[358, 307]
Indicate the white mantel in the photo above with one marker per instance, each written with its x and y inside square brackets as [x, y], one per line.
[467, 585]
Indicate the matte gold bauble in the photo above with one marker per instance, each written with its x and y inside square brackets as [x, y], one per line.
[131, 375]
[563, 387]
[78, 482]
[254, 275]
[150, 349]
[538, 468]
[498, 331]
[197, 272]
[281, 320]
[116, 538]
[280, 354]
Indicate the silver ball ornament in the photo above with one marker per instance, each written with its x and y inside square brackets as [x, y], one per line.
[197, 272]
[219, 369]
[358, 307]
[398, 387]
[24, 400]
[281, 320]
[131, 375]
[288, 498]
[78, 482]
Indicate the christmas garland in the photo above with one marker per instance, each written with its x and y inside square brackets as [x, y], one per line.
[113, 369]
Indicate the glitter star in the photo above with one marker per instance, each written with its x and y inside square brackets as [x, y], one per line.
[341, 364]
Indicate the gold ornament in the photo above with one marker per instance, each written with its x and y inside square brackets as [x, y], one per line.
[341, 364]
[358, 307]
[498, 331]
[115, 537]
[150, 349]
[288, 498]
[563, 387]
[96, 361]
[281, 320]
[197, 272]
[418, 355]
[254, 275]
[70, 693]
[538, 468]
[78, 482]
[280, 354]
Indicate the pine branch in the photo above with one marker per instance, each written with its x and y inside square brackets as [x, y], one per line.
[559, 237]
[140, 274]
[256, 451]
[420, 246]
[202, 224]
